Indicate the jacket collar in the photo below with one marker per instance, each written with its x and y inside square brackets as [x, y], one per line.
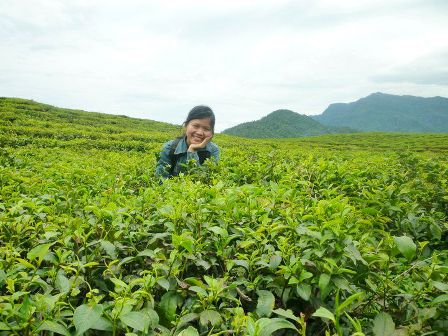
[182, 146]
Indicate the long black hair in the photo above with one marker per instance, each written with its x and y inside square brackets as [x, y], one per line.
[201, 112]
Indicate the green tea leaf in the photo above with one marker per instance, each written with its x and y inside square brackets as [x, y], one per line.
[324, 312]
[187, 319]
[209, 316]
[383, 325]
[275, 261]
[406, 246]
[39, 252]
[153, 317]
[4, 326]
[2, 277]
[27, 308]
[136, 320]
[86, 316]
[109, 248]
[440, 286]
[146, 253]
[275, 324]
[439, 299]
[185, 240]
[54, 327]
[324, 279]
[304, 291]
[242, 263]
[219, 231]
[265, 303]
[347, 302]
[354, 253]
[305, 275]
[286, 313]
[190, 331]
[164, 283]
[102, 324]
[62, 283]
[201, 291]
[168, 304]
[25, 263]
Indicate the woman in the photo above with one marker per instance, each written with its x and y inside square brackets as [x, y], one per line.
[193, 146]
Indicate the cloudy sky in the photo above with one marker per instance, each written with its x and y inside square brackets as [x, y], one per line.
[245, 59]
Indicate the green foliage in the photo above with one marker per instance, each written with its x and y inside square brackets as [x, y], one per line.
[324, 312]
[383, 325]
[342, 235]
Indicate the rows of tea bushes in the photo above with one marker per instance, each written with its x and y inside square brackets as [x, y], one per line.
[337, 236]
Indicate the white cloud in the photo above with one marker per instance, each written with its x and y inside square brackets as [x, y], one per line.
[246, 58]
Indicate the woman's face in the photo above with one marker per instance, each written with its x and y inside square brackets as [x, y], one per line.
[197, 130]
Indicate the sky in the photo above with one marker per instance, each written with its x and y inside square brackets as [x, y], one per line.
[245, 58]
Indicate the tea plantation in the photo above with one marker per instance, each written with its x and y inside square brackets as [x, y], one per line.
[329, 235]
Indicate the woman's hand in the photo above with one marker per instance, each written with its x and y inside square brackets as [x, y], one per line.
[195, 147]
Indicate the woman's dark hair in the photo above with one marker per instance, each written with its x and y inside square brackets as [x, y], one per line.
[201, 112]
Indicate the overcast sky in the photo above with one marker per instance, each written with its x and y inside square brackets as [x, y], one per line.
[245, 59]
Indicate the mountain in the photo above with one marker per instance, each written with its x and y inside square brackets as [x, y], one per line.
[282, 124]
[389, 113]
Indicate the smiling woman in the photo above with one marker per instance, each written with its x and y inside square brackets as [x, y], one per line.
[193, 146]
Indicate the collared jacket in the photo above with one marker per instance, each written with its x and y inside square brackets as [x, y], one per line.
[183, 156]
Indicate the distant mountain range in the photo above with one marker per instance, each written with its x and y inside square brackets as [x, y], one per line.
[376, 112]
[390, 113]
[283, 124]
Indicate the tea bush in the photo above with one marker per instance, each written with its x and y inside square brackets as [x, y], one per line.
[342, 234]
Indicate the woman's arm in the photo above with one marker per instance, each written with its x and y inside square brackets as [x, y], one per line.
[215, 152]
[164, 164]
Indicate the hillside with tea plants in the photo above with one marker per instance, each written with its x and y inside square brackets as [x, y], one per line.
[328, 235]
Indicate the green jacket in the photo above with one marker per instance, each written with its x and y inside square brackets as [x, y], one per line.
[183, 156]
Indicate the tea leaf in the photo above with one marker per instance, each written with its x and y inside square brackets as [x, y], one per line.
[190, 331]
[168, 304]
[275, 261]
[39, 252]
[383, 325]
[347, 302]
[136, 320]
[304, 291]
[85, 317]
[4, 326]
[62, 283]
[324, 312]
[54, 327]
[265, 303]
[324, 279]
[164, 283]
[406, 246]
[308, 222]
[275, 324]
[209, 316]
[109, 248]
[286, 313]
[440, 286]
[439, 299]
